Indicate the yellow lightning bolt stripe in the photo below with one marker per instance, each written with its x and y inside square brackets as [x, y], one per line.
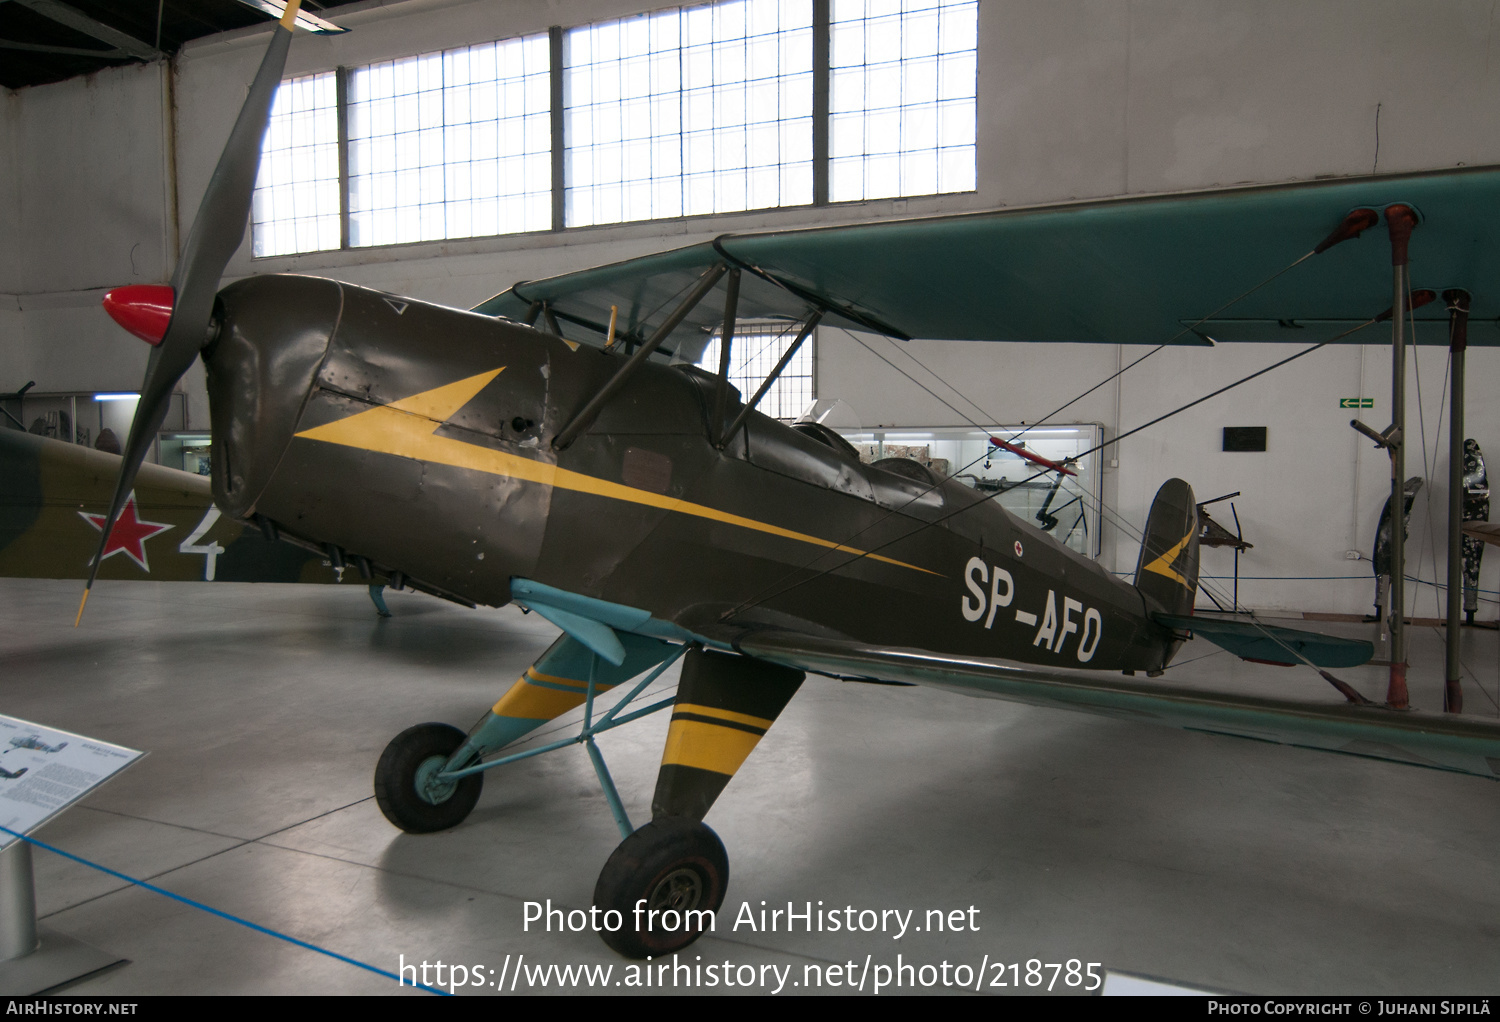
[1163, 564]
[407, 429]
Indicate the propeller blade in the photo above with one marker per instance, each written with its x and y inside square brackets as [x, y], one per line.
[217, 232]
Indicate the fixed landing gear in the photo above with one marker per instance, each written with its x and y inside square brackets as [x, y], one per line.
[666, 880]
[664, 883]
[406, 784]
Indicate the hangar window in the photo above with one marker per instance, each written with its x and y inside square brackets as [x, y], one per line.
[755, 350]
[454, 144]
[296, 206]
[693, 110]
[714, 108]
[902, 99]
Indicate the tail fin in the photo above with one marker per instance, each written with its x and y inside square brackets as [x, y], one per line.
[1167, 572]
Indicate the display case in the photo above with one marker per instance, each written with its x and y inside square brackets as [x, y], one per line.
[185, 451]
[80, 418]
[1067, 507]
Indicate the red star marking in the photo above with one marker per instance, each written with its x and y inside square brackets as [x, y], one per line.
[129, 534]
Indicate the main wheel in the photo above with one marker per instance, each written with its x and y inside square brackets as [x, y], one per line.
[405, 780]
[678, 868]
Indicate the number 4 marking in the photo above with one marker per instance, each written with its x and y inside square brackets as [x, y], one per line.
[211, 551]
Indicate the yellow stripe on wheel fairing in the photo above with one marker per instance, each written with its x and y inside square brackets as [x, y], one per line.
[532, 702]
[730, 715]
[695, 743]
[543, 702]
[536, 675]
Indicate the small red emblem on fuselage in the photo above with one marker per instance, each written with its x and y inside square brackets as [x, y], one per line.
[129, 534]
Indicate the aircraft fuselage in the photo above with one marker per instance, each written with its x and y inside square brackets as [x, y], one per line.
[420, 437]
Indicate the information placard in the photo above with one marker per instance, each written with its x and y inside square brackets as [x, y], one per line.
[44, 770]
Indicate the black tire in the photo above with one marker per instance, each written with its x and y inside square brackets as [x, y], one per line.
[674, 864]
[397, 776]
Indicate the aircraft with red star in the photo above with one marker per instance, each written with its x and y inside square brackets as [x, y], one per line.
[652, 514]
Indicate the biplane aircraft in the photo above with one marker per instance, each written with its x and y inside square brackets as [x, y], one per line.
[543, 451]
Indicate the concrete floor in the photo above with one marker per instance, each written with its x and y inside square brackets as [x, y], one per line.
[1218, 863]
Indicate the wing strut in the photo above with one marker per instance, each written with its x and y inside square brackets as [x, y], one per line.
[808, 327]
[585, 418]
[726, 345]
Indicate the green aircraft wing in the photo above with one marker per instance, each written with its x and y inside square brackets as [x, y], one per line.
[1138, 270]
[1441, 741]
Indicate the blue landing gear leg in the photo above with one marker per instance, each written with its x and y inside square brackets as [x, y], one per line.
[377, 597]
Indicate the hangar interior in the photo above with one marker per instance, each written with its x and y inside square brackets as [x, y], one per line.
[1223, 865]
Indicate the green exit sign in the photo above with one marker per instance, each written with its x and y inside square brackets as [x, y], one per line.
[1356, 402]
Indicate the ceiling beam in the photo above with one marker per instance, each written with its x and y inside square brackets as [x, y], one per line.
[72, 51]
[75, 19]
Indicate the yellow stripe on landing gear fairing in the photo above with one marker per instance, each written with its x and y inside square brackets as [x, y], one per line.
[552, 698]
[697, 743]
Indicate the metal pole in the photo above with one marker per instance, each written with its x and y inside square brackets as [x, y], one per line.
[611, 794]
[822, 30]
[1458, 339]
[1239, 534]
[1399, 220]
[556, 86]
[18, 936]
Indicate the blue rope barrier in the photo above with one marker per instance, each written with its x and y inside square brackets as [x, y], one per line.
[221, 914]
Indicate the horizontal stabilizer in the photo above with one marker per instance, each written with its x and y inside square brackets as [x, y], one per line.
[1271, 644]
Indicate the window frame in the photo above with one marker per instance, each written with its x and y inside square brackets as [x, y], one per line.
[820, 126]
[763, 359]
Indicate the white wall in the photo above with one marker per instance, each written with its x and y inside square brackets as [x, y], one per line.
[1313, 495]
[88, 215]
[1079, 98]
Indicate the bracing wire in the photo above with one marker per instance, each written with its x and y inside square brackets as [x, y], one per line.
[775, 589]
[750, 359]
[858, 340]
[1429, 540]
[988, 415]
[1437, 444]
[761, 596]
[766, 593]
[1185, 330]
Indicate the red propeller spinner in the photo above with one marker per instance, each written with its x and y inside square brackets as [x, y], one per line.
[143, 309]
[176, 319]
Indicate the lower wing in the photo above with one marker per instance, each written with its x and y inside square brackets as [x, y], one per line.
[1441, 741]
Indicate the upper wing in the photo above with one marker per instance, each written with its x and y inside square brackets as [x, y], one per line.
[1133, 270]
[1445, 742]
